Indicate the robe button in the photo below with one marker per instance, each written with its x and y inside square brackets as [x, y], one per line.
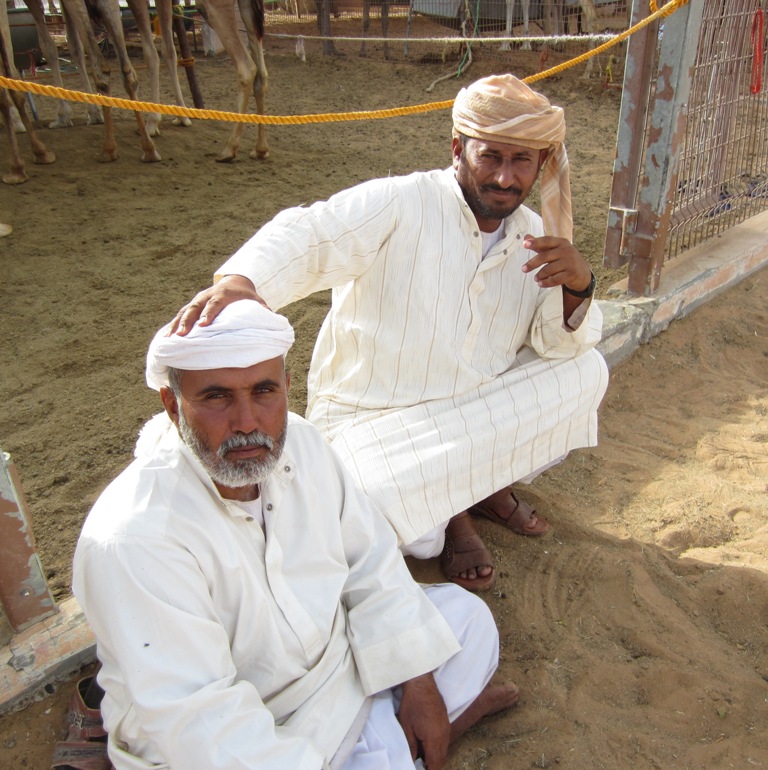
[269, 506]
[476, 234]
[249, 518]
[287, 468]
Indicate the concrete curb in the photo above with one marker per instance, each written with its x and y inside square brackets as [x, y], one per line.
[686, 283]
[63, 643]
[47, 651]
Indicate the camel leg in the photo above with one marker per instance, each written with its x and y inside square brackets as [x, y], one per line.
[41, 154]
[510, 17]
[587, 20]
[109, 11]
[253, 16]
[64, 110]
[526, 46]
[80, 22]
[140, 11]
[75, 44]
[221, 17]
[8, 99]
[16, 173]
[165, 14]
[261, 151]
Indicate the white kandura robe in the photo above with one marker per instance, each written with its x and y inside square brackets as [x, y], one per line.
[439, 376]
[224, 648]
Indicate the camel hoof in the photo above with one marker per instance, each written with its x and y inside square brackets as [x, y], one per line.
[226, 157]
[14, 178]
[184, 122]
[45, 158]
[106, 157]
[152, 156]
[5, 230]
[61, 123]
[259, 154]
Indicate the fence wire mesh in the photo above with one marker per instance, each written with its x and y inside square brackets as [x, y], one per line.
[447, 32]
[723, 173]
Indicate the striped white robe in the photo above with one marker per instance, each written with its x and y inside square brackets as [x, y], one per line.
[439, 376]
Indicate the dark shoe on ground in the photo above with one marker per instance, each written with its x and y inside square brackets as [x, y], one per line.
[463, 552]
[85, 747]
[504, 508]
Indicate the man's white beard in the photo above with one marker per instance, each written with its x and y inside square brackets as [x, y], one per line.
[239, 473]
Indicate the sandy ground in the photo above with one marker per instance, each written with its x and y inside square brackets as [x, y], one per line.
[637, 629]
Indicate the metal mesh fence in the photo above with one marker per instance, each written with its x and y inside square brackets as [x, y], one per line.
[447, 32]
[723, 174]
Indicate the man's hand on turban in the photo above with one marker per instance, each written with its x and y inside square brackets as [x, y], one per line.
[207, 304]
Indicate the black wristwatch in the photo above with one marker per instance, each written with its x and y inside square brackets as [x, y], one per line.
[588, 292]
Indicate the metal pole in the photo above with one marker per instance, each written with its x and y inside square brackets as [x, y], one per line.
[24, 593]
[622, 214]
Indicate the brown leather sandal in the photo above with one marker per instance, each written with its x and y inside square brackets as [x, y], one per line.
[516, 515]
[466, 551]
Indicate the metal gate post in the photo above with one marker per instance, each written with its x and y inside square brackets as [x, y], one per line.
[622, 214]
[677, 55]
[24, 593]
[641, 199]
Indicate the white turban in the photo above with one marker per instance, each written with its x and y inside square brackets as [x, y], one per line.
[501, 108]
[243, 334]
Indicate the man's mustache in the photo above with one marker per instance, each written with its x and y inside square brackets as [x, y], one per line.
[255, 439]
[499, 188]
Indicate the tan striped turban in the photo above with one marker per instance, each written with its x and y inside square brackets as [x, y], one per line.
[501, 108]
[245, 333]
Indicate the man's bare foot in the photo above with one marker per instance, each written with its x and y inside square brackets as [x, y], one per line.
[494, 698]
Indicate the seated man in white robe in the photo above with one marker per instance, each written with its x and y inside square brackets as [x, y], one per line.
[250, 604]
[458, 354]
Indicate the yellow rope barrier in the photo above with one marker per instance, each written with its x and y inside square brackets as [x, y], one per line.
[332, 117]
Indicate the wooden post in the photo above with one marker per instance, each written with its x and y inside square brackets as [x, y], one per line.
[24, 593]
[186, 56]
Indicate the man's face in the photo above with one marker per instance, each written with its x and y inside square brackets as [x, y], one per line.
[234, 421]
[495, 177]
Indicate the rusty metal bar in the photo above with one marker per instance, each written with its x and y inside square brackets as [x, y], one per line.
[677, 55]
[24, 593]
[622, 214]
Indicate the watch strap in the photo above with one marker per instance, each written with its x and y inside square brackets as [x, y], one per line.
[588, 292]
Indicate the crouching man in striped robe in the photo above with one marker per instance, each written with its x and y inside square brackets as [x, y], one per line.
[458, 356]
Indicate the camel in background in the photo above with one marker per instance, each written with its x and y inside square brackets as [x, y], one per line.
[510, 16]
[9, 99]
[249, 63]
[384, 24]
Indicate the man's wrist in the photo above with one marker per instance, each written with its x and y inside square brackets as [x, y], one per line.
[583, 293]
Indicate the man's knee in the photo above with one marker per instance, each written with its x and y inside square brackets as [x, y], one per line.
[465, 613]
[428, 545]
